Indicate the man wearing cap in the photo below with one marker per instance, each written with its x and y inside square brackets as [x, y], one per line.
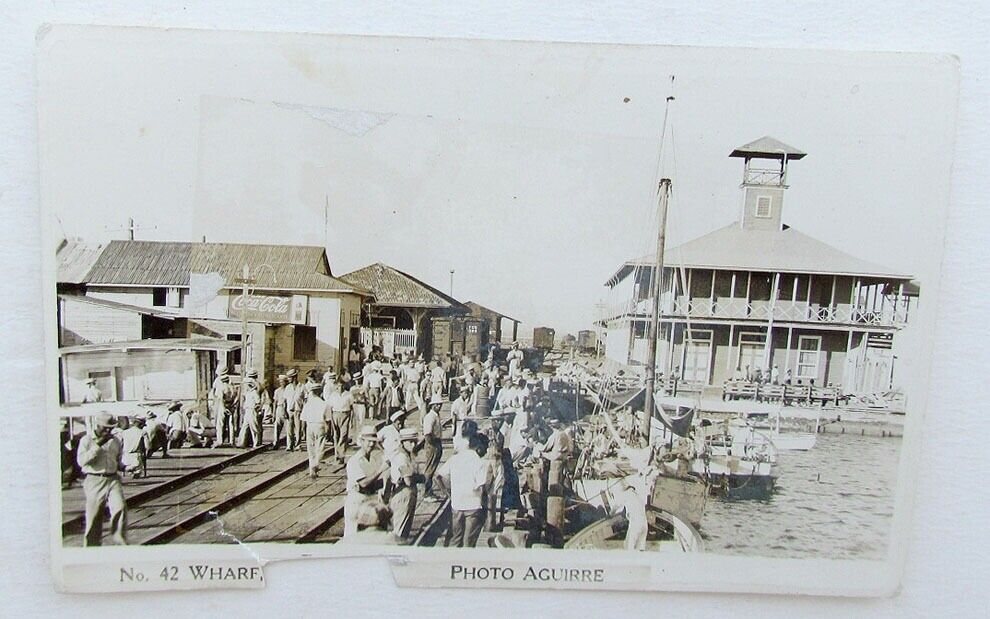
[293, 409]
[280, 413]
[99, 456]
[389, 434]
[404, 475]
[432, 441]
[340, 403]
[365, 470]
[314, 415]
[176, 425]
[373, 381]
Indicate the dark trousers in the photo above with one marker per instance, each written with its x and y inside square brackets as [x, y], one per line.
[465, 527]
[432, 453]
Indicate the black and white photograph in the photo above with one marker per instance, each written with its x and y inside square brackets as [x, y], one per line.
[339, 295]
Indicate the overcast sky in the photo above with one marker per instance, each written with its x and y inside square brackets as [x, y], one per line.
[528, 169]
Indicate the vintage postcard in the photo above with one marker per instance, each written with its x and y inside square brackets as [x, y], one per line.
[511, 314]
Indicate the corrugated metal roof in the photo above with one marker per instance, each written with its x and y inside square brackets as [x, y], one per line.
[767, 146]
[477, 306]
[393, 287]
[124, 307]
[169, 263]
[73, 261]
[785, 251]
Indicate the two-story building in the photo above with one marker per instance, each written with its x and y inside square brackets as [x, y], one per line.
[281, 301]
[758, 294]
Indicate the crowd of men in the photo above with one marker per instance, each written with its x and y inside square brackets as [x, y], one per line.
[499, 418]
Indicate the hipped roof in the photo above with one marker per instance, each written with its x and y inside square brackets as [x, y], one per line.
[169, 263]
[783, 251]
[395, 288]
[478, 307]
[768, 148]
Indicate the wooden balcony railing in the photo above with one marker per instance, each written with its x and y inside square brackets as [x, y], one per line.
[784, 311]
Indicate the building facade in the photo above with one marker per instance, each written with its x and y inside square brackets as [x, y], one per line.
[402, 316]
[494, 319]
[759, 295]
[281, 301]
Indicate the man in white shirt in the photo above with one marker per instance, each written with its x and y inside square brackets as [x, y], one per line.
[99, 457]
[364, 472]
[176, 424]
[460, 408]
[437, 378]
[251, 411]
[405, 476]
[466, 475]
[389, 435]
[515, 359]
[340, 403]
[293, 409]
[432, 441]
[314, 413]
[133, 445]
[372, 383]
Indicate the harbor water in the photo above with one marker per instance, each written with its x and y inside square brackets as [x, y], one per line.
[835, 501]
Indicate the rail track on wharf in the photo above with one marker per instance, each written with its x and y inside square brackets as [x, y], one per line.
[256, 495]
[253, 495]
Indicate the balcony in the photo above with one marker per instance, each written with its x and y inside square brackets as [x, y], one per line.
[782, 311]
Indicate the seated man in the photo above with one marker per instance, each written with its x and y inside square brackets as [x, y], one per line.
[201, 432]
[177, 425]
[133, 445]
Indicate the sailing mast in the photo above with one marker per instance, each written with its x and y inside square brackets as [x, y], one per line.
[663, 195]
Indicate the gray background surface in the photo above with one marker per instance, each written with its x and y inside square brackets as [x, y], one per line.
[947, 569]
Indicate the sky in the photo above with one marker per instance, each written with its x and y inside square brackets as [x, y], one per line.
[528, 169]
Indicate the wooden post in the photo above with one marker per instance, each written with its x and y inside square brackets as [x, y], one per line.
[711, 297]
[728, 361]
[831, 298]
[768, 346]
[749, 281]
[787, 357]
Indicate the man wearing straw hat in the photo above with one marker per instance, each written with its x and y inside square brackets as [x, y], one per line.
[99, 456]
[280, 412]
[372, 381]
[365, 470]
[293, 408]
[223, 402]
[404, 475]
[340, 403]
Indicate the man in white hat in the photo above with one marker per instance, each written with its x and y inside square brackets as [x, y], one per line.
[177, 424]
[461, 408]
[365, 470]
[280, 413]
[100, 458]
[314, 415]
[224, 399]
[432, 441]
[372, 381]
[133, 444]
[340, 403]
[92, 393]
[515, 359]
[404, 475]
[389, 434]
[250, 411]
[293, 408]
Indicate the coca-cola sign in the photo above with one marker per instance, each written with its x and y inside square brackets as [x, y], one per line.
[268, 308]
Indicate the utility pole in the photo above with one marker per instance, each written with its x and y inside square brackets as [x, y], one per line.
[130, 228]
[452, 282]
[651, 362]
[244, 280]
